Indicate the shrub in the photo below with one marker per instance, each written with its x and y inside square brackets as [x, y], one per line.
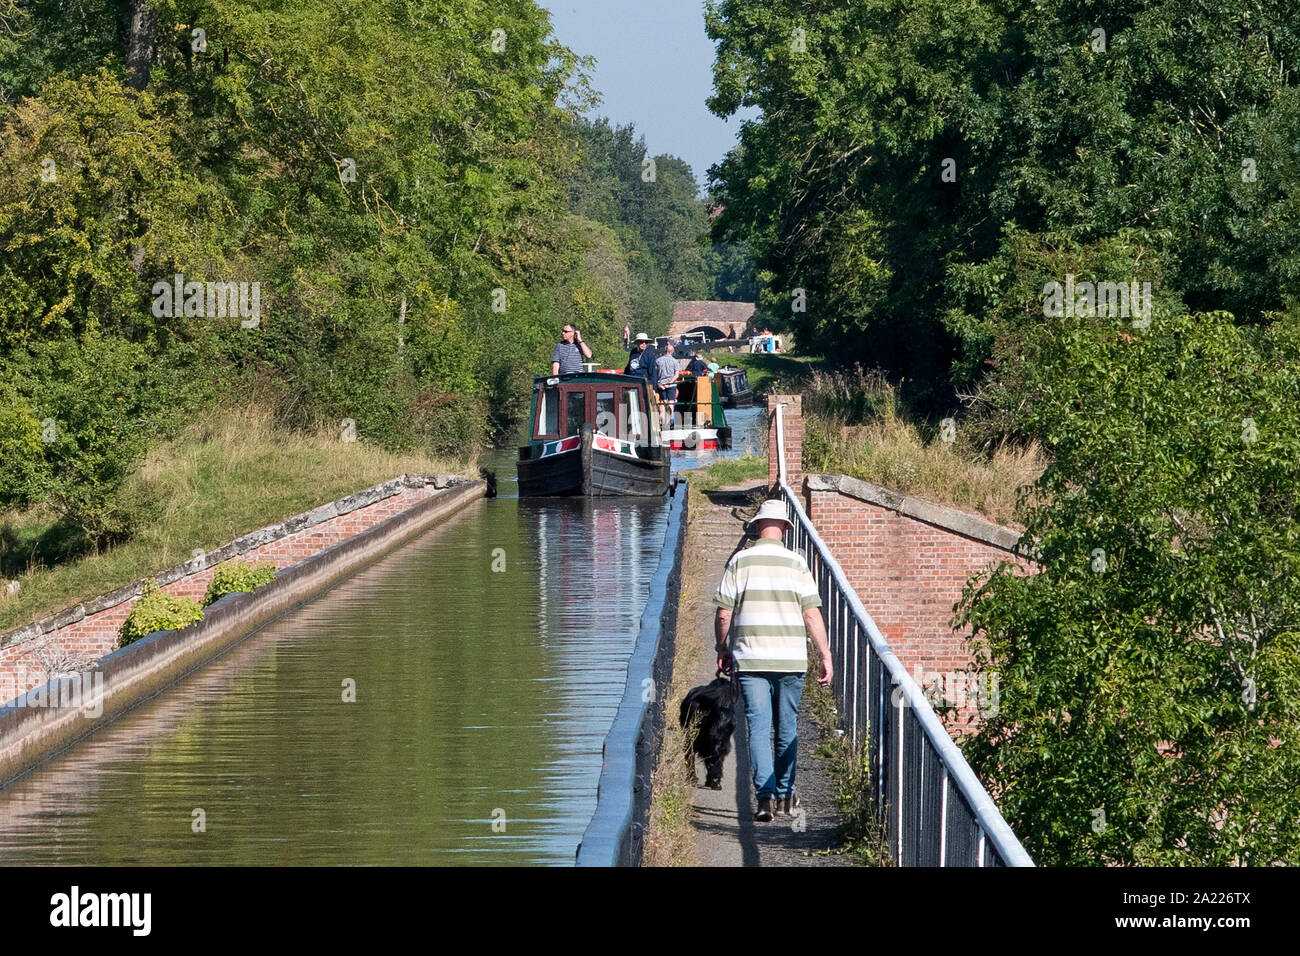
[158, 611]
[237, 576]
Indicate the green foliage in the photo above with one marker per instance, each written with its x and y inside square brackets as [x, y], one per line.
[903, 149]
[235, 576]
[652, 202]
[1150, 671]
[235, 163]
[158, 611]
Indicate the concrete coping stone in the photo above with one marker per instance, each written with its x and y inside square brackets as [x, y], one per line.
[241, 545]
[949, 519]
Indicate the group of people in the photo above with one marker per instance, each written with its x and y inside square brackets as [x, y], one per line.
[661, 372]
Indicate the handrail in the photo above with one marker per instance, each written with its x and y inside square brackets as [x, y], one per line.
[992, 834]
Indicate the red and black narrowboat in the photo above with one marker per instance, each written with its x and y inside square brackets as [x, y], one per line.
[593, 433]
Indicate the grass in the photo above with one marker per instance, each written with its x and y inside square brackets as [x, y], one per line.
[862, 833]
[856, 425]
[226, 475]
[669, 837]
[730, 472]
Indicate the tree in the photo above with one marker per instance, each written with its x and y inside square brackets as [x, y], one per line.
[899, 141]
[1149, 672]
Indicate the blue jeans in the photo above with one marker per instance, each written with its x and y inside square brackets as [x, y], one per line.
[765, 693]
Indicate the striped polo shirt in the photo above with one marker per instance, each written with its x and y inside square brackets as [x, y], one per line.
[768, 587]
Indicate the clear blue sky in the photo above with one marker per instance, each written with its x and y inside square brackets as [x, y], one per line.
[654, 69]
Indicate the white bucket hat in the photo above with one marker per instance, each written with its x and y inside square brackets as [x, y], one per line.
[771, 510]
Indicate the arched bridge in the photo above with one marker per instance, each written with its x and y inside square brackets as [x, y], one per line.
[711, 317]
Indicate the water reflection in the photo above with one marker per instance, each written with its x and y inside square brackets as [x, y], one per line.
[488, 657]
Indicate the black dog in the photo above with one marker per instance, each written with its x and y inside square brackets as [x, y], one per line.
[714, 705]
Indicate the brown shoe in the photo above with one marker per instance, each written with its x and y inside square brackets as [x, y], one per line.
[764, 814]
[788, 805]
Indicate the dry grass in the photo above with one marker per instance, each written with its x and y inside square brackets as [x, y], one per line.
[228, 473]
[670, 837]
[856, 426]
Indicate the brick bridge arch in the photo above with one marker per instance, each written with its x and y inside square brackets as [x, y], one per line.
[702, 315]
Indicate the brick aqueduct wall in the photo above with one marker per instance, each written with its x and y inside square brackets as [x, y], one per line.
[906, 558]
[90, 630]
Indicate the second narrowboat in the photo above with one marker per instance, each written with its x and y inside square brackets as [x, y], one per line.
[733, 384]
[699, 423]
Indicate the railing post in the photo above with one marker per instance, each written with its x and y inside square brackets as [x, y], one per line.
[900, 779]
[780, 443]
[943, 820]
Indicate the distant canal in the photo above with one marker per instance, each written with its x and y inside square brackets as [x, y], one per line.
[482, 698]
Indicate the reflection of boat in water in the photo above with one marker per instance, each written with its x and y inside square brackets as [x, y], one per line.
[733, 384]
[593, 433]
[699, 410]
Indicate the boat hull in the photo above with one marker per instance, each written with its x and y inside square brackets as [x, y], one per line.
[696, 439]
[595, 465]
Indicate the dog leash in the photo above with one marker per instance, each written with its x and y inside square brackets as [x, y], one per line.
[728, 670]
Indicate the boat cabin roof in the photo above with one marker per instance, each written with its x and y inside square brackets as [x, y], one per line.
[596, 377]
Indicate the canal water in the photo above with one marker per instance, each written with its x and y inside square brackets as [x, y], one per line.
[486, 660]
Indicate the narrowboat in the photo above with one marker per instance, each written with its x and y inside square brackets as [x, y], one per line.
[593, 433]
[733, 383]
[698, 421]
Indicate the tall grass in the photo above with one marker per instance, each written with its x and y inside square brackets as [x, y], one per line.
[229, 472]
[856, 424]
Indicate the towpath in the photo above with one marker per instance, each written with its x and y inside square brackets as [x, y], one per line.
[724, 830]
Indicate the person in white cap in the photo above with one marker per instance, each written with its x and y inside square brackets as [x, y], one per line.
[642, 360]
[771, 596]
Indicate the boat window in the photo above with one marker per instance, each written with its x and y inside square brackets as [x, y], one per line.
[605, 422]
[548, 412]
[634, 424]
[575, 412]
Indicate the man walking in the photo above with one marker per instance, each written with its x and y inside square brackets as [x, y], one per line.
[566, 357]
[770, 594]
[627, 337]
[666, 372]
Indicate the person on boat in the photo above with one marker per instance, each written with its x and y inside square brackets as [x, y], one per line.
[770, 595]
[642, 360]
[698, 366]
[665, 382]
[568, 354]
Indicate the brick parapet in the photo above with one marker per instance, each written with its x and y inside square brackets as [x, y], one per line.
[90, 630]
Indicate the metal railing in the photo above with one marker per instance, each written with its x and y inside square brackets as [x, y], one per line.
[934, 809]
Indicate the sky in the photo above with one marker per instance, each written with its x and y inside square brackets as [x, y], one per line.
[654, 69]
